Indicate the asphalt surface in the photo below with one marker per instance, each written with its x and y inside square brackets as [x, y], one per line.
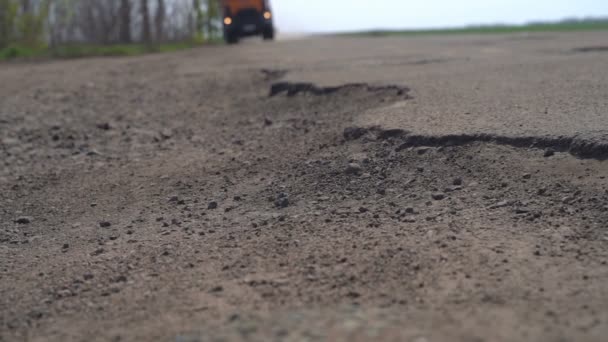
[513, 85]
[324, 189]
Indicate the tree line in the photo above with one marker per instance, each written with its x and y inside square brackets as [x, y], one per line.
[59, 22]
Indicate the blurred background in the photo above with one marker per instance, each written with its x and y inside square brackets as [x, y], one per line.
[355, 15]
[73, 28]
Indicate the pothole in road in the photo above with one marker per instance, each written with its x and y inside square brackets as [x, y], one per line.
[379, 182]
[593, 145]
[295, 88]
[591, 49]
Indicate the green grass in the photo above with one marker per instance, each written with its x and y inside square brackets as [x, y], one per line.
[85, 50]
[565, 26]
[16, 51]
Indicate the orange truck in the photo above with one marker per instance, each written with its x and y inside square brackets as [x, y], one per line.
[244, 18]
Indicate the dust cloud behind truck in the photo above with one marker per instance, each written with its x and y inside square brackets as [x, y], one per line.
[243, 18]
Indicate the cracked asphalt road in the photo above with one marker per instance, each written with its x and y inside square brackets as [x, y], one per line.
[395, 189]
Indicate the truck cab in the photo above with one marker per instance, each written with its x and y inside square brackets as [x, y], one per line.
[243, 18]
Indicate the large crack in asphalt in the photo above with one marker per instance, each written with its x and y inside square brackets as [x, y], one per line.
[592, 145]
[295, 88]
[585, 49]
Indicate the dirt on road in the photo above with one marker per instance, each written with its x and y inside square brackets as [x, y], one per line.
[327, 189]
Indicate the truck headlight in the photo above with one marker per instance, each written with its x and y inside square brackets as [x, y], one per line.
[267, 15]
[227, 21]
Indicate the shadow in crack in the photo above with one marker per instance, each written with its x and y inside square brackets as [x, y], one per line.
[593, 145]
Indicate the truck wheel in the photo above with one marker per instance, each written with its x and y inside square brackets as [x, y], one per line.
[268, 33]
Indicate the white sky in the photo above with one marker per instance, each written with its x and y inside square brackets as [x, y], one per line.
[345, 15]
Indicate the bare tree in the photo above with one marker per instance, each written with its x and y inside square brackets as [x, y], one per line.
[107, 17]
[125, 21]
[87, 23]
[145, 18]
[213, 15]
[159, 20]
[8, 17]
[199, 20]
[26, 6]
[60, 22]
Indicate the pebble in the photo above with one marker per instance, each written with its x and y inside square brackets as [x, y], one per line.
[353, 169]
[438, 196]
[212, 205]
[282, 200]
[23, 220]
[500, 204]
[568, 199]
[535, 216]
[166, 133]
[527, 176]
[217, 289]
[457, 181]
[410, 210]
[549, 153]
[98, 252]
[105, 224]
[104, 126]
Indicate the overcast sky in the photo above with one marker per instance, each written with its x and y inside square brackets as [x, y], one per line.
[345, 15]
